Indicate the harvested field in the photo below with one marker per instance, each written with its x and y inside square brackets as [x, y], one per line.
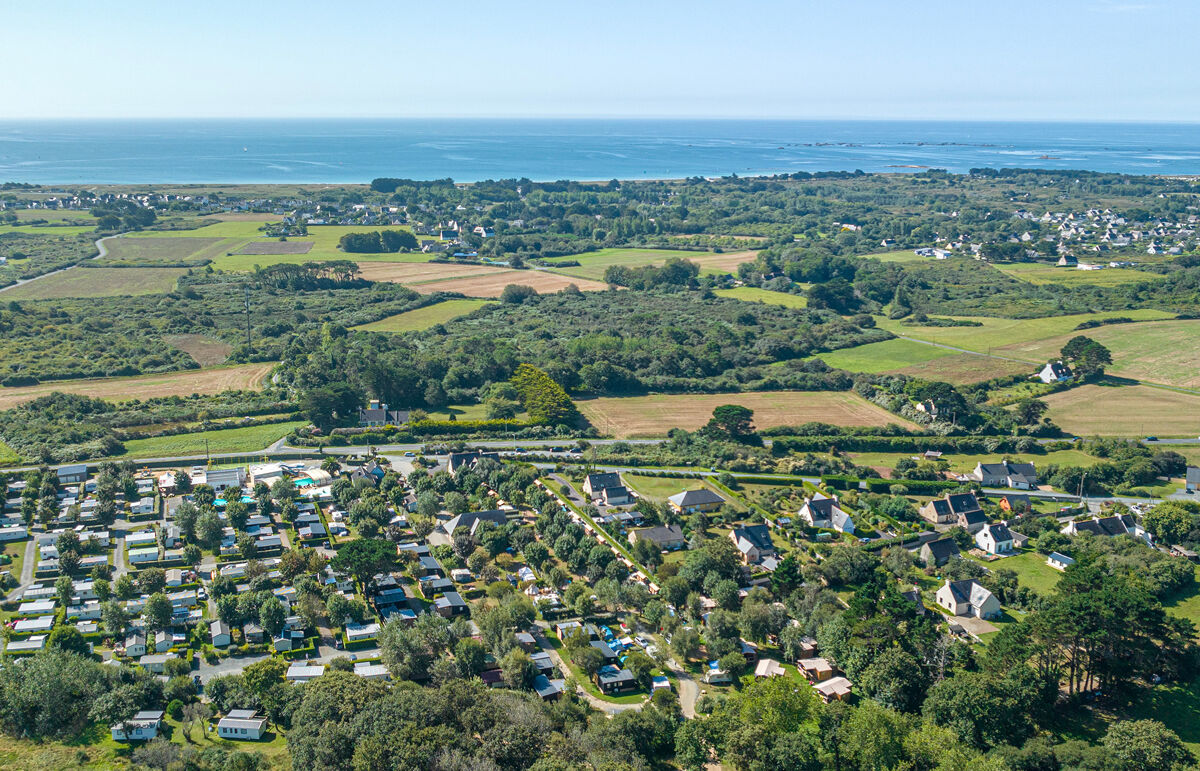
[98, 282]
[1043, 273]
[409, 273]
[654, 415]
[276, 247]
[1111, 410]
[200, 381]
[424, 318]
[963, 369]
[151, 249]
[205, 350]
[244, 216]
[593, 264]
[492, 283]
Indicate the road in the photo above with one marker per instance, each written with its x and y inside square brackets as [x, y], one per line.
[101, 250]
[607, 707]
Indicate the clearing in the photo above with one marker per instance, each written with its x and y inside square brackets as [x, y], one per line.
[98, 282]
[996, 332]
[754, 294]
[207, 351]
[1042, 273]
[633, 416]
[276, 247]
[195, 381]
[158, 248]
[963, 369]
[409, 273]
[1112, 410]
[247, 439]
[424, 318]
[491, 284]
[883, 356]
[1157, 351]
[593, 264]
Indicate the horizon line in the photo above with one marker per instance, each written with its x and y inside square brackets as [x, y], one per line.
[823, 119]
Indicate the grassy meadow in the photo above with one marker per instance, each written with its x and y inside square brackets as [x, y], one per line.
[1042, 273]
[754, 294]
[424, 318]
[98, 282]
[247, 439]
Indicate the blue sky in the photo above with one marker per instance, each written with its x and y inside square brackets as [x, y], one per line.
[1004, 59]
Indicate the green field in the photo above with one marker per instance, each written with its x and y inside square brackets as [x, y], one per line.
[424, 318]
[659, 488]
[901, 255]
[593, 264]
[1165, 352]
[964, 463]
[246, 439]
[162, 248]
[883, 356]
[1113, 410]
[98, 282]
[996, 332]
[48, 230]
[1031, 569]
[754, 294]
[1042, 273]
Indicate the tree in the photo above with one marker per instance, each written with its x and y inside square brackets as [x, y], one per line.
[271, 616]
[1146, 745]
[516, 294]
[470, 656]
[114, 617]
[68, 638]
[517, 669]
[895, 679]
[64, 588]
[1029, 411]
[263, 675]
[1169, 521]
[1087, 356]
[364, 558]
[123, 587]
[151, 580]
[641, 666]
[686, 644]
[158, 611]
[204, 495]
[732, 421]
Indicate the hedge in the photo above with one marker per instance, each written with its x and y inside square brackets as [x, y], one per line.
[961, 444]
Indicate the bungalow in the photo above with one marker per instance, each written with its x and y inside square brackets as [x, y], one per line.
[142, 507]
[1123, 524]
[30, 645]
[569, 629]
[139, 556]
[595, 483]
[768, 668]
[1055, 372]
[547, 689]
[754, 542]
[218, 630]
[302, 672]
[693, 501]
[135, 645]
[369, 671]
[34, 624]
[1022, 476]
[542, 661]
[995, 539]
[612, 680]
[471, 520]
[665, 537]
[449, 604]
[1059, 561]
[156, 662]
[242, 724]
[141, 727]
[616, 496]
[939, 552]
[357, 632]
[815, 669]
[835, 688]
[822, 511]
[968, 598]
[1191, 481]
[72, 475]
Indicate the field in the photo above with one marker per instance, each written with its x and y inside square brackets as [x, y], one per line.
[158, 248]
[900, 255]
[492, 283]
[1161, 351]
[659, 488]
[276, 247]
[207, 352]
[246, 439]
[1107, 410]
[996, 332]
[654, 415]
[1031, 570]
[593, 264]
[202, 381]
[324, 240]
[883, 356]
[963, 368]
[424, 318]
[409, 273]
[754, 294]
[1041, 273]
[964, 463]
[98, 282]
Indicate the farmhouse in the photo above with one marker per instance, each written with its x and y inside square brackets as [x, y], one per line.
[968, 598]
[594, 483]
[693, 501]
[242, 724]
[1022, 476]
[995, 539]
[1055, 372]
[822, 511]
[754, 542]
[668, 537]
[378, 414]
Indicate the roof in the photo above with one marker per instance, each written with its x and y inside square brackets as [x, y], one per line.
[758, 536]
[1060, 557]
[963, 502]
[999, 532]
[1058, 369]
[973, 517]
[547, 687]
[969, 591]
[1193, 474]
[660, 534]
[1008, 468]
[602, 481]
[698, 497]
[943, 548]
[472, 519]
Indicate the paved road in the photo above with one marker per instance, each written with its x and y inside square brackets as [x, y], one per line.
[689, 689]
[29, 564]
[604, 706]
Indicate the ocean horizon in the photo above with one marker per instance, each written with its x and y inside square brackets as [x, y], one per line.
[331, 151]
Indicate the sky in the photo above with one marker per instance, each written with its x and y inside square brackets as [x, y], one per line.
[1090, 60]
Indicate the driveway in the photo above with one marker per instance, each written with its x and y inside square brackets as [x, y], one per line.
[974, 625]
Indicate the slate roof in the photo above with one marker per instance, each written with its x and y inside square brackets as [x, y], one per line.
[695, 498]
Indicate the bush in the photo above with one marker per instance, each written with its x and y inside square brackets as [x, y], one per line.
[175, 710]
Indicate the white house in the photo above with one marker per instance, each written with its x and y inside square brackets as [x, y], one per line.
[242, 724]
[219, 631]
[968, 598]
[302, 672]
[1059, 561]
[995, 539]
[141, 727]
[824, 512]
[1055, 372]
[137, 556]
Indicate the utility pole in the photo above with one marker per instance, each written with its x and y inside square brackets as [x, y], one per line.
[207, 456]
[246, 304]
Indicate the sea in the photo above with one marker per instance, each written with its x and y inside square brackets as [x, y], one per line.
[470, 150]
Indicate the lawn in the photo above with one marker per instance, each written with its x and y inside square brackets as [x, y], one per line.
[1186, 604]
[633, 416]
[490, 283]
[996, 332]
[659, 488]
[186, 383]
[1165, 352]
[1032, 571]
[754, 294]
[98, 282]
[324, 239]
[1041, 273]
[902, 255]
[248, 439]
[593, 264]
[883, 356]
[965, 463]
[8, 456]
[1114, 410]
[424, 318]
